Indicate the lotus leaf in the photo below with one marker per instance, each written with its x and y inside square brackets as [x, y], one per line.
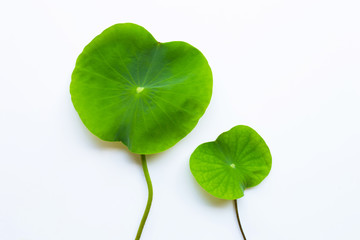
[236, 160]
[128, 87]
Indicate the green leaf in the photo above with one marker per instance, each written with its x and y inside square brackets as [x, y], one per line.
[128, 87]
[236, 160]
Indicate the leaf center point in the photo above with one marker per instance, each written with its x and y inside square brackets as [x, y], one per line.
[232, 165]
[139, 89]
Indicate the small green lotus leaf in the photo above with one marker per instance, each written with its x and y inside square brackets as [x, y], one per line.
[128, 87]
[236, 160]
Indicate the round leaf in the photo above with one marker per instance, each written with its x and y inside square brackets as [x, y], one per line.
[237, 159]
[128, 87]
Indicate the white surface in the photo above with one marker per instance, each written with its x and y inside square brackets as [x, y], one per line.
[289, 69]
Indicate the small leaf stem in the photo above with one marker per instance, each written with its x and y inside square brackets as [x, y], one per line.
[150, 197]
[238, 218]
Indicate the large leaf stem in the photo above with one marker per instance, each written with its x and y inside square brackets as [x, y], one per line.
[238, 219]
[150, 197]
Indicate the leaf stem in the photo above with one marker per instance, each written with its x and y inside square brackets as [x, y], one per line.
[150, 197]
[238, 218]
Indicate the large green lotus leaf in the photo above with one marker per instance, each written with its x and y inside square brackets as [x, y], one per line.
[236, 160]
[128, 87]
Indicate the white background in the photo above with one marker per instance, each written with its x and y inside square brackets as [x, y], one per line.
[289, 69]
